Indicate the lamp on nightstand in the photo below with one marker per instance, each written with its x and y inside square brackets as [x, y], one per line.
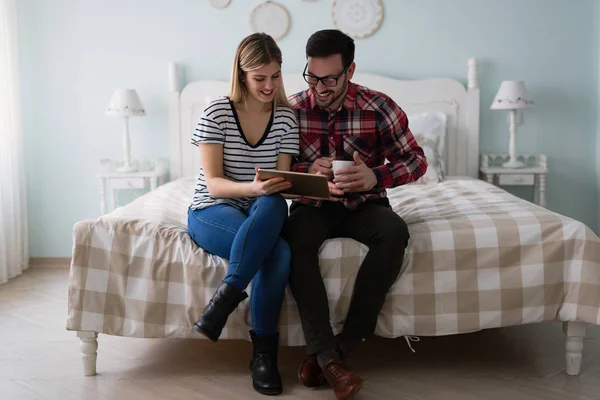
[512, 96]
[125, 103]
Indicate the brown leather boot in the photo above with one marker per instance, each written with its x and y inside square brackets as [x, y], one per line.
[310, 373]
[343, 381]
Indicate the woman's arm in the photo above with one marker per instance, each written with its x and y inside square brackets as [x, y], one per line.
[284, 162]
[211, 155]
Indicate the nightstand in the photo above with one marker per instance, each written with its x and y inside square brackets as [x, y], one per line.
[533, 174]
[149, 176]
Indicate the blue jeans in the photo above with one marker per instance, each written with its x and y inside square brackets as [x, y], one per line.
[250, 240]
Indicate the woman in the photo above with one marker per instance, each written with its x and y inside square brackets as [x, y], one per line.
[236, 215]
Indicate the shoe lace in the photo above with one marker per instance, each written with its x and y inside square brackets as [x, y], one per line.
[335, 370]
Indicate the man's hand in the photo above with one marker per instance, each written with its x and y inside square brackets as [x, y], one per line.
[333, 192]
[358, 178]
[322, 165]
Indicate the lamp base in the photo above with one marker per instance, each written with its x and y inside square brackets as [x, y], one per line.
[513, 164]
[126, 169]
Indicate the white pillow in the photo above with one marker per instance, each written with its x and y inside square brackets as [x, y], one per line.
[429, 130]
[430, 144]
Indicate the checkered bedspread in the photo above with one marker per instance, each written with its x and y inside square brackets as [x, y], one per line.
[478, 258]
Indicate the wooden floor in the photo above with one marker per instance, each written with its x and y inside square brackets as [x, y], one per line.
[39, 359]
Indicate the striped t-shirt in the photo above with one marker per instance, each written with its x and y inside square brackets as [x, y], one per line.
[219, 123]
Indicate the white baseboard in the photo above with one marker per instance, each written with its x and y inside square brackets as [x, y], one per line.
[53, 262]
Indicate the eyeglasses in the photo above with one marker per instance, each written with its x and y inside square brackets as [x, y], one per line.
[329, 81]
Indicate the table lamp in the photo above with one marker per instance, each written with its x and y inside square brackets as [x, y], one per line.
[125, 103]
[512, 96]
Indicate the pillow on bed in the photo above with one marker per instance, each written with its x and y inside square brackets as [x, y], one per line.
[431, 144]
[429, 130]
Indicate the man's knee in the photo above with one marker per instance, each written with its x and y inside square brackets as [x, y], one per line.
[295, 228]
[300, 238]
[289, 232]
[394, 229]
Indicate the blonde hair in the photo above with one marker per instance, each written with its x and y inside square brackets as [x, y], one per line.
[253, 52]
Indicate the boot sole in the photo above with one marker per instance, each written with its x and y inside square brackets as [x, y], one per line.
[268, 392]
[202, 331]
[354, 392]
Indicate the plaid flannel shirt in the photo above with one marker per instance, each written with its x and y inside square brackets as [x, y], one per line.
[368, 122]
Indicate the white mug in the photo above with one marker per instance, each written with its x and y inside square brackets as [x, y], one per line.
[339, 164]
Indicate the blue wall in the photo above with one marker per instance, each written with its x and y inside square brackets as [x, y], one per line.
[74, 53]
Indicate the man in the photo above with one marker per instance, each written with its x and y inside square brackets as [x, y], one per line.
[344, 121]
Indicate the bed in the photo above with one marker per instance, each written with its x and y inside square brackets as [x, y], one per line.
[478, 257]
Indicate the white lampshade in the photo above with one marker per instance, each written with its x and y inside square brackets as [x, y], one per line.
[125, 102]
[512, 95]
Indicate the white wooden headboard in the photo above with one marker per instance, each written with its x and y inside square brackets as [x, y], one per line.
[459, 103]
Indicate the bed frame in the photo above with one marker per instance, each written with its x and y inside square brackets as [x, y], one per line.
[459, 102]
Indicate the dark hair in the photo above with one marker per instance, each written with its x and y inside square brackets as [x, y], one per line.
[329, 42]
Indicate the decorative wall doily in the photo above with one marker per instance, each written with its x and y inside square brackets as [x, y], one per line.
[271, 18]
[357, 18]
[219, 3]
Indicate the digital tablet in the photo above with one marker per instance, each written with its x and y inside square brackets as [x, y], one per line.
[303, 184]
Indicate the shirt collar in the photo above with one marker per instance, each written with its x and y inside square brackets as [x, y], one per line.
[349, 102]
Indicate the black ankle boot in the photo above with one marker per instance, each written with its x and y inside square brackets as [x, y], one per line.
[265, 375]
[215, 315]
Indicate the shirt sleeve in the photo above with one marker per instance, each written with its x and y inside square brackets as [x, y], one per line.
[407, 161]
[290, 141]
[298, 166]
[208, 129]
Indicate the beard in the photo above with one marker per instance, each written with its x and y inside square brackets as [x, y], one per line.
[331, 95]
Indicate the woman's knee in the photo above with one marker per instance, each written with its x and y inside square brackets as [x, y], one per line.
[275, 203]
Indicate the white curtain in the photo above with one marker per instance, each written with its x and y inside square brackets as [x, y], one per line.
[14, 254]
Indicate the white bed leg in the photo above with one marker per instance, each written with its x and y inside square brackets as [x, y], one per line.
[575, 332]
[89, 345]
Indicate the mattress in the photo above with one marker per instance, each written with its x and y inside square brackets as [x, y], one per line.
[478, 258]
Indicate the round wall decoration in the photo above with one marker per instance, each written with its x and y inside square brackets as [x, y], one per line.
[357, 18]
[271, 18]
[219, 3]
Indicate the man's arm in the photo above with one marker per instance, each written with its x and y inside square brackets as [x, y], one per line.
[406, 159]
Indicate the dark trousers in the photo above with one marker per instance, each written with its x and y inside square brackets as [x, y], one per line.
[373, 224]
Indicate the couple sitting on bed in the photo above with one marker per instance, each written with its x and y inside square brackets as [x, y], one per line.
[239, 217]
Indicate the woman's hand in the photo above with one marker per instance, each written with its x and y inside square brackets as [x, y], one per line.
[270, 186]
